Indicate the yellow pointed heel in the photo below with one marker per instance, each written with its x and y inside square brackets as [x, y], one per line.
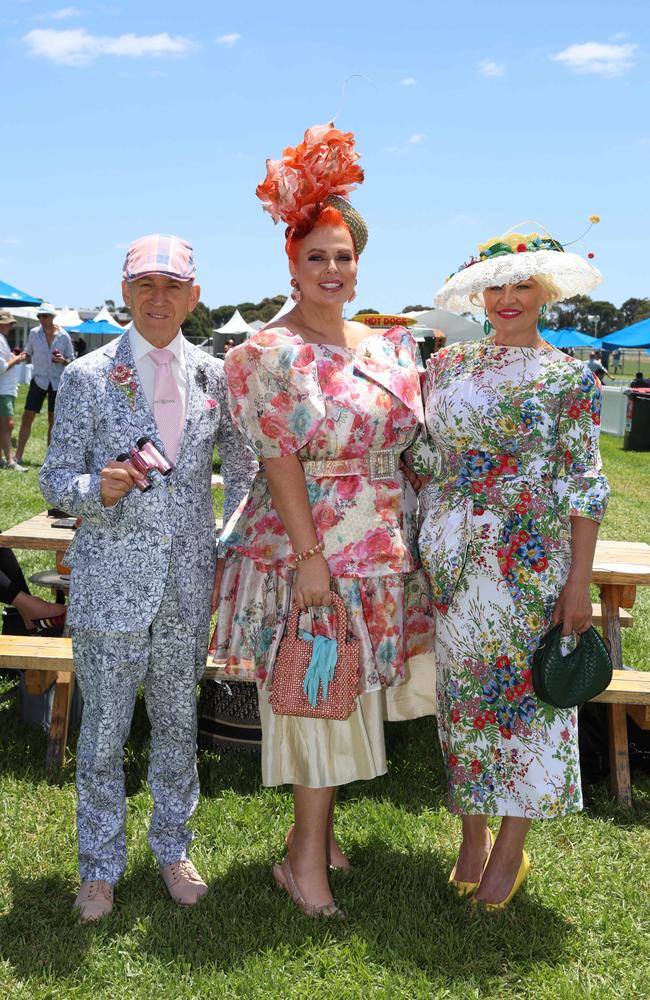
[467, 888]
[520, 878]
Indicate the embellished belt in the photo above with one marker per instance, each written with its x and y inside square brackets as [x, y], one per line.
[378, 465]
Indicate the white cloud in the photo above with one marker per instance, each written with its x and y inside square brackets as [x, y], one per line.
[77, 47]
[487, 67]
[597, 57]
[58, 15]
[228, 40]
[408, 81]
[405, 148]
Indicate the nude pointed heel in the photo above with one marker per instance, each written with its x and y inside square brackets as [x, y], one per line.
[284, 880]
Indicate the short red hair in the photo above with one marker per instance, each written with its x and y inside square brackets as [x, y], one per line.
[327, 216]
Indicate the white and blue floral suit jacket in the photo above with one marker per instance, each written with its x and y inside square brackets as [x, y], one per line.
[120, 556]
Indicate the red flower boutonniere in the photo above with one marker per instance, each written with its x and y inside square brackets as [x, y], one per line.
[122, 377]
[210, 404]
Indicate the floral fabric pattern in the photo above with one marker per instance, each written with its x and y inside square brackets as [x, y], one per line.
[326, 402]
[120, 556]
[512, 443]
[168, 659]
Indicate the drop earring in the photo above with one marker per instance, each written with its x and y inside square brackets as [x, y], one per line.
[487, 326]
[541, 320]
[295, 290]
[354, 293]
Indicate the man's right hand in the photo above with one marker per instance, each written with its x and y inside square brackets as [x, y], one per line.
[115, 481]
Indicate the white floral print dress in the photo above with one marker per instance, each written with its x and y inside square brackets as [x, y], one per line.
[513, 445]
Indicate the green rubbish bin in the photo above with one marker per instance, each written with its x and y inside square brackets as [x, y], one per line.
[637, 420]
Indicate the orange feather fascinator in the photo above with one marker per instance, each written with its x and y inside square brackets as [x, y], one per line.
[296, 187]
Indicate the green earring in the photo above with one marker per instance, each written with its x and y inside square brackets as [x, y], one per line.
[541, 322]
[487, 326]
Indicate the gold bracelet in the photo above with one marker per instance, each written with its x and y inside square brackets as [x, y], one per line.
[308, 553]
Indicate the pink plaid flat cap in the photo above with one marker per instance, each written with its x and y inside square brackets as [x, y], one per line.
[157, 254]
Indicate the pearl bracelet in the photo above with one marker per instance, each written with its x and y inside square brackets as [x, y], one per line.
[308, 553]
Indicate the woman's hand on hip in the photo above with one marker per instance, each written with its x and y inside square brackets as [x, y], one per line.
[311, 584]
[573, 608]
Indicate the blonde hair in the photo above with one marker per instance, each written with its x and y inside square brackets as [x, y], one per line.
[553, 293]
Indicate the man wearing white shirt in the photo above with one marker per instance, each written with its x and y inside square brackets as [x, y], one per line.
[50, 350]
[8, 393]
[143, 563]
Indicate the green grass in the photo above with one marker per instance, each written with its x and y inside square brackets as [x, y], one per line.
[580, 928]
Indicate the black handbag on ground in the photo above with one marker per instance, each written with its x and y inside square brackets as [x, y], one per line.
[567, 681]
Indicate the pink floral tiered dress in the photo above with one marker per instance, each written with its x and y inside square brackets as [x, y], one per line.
[325, 402]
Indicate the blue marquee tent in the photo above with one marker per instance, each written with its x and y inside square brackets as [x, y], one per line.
[10, 296]
[570, 337]
[103, 328]
[637, 335]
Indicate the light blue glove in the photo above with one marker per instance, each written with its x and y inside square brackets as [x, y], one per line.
[321, 666]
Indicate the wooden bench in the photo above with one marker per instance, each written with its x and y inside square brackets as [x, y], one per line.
[49, 661]
[628, 694]
[626, 620]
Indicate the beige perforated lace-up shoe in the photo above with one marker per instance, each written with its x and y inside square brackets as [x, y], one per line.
[94, 900]
[183, 882]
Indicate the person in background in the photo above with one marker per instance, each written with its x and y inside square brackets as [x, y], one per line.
[596, 366]
[80, 345]
[49, 348]
[617, 358]
[229, 344]
[8, 393]
[639, 382]
[35, 613]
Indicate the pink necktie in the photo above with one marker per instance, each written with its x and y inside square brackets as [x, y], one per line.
[167, 403]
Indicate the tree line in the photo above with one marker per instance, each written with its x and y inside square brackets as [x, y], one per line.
[201, 323]
[593, 316]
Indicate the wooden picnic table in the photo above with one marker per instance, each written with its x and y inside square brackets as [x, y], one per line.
[37, 533]
[619, 568]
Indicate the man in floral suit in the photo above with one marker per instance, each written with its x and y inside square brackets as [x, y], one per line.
[143, 562]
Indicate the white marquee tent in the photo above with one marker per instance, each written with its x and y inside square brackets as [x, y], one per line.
[282, 311]
[457, 329]
[105, 316]
[236, 325]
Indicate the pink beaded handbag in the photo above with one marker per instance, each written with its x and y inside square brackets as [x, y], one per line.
[288, 694]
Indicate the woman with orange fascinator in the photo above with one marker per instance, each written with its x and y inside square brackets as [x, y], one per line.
[330, 408]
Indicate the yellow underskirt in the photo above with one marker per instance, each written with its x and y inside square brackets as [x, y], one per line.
[322, 753]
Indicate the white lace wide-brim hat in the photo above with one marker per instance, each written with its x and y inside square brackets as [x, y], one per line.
[572, 274]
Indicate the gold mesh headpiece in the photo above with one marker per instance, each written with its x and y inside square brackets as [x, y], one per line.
[353, 221]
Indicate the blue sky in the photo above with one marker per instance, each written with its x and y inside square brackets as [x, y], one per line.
[121, 120]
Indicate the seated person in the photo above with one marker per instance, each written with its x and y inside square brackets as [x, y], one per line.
[639, 382]
[35, 613]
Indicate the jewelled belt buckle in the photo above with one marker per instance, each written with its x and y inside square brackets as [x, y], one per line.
[382, 464]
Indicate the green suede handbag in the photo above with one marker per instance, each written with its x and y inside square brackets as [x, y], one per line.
[567, 681]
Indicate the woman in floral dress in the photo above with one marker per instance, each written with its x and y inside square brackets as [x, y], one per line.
[329, 409]
[508, 536]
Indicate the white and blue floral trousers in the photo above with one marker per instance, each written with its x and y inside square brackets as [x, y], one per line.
[168, 658]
